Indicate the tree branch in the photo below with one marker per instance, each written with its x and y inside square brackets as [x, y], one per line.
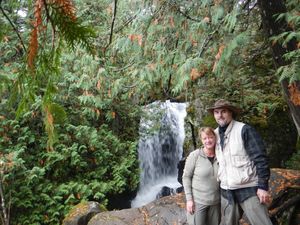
[52, 24]
[126, 23]
[13, 26]
[123, 68]
[185, 14]
[112, 23]
[170, 75]
[193, 134]
[208, 39]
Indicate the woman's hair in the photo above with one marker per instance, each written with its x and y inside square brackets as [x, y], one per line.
[206, 130]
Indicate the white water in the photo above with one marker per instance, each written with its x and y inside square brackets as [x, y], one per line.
[160, 149]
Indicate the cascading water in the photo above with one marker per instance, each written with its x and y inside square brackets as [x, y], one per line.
[160, 149]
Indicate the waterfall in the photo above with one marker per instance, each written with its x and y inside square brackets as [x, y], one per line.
[160, 149]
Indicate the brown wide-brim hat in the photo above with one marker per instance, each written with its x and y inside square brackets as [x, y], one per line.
[221, 103]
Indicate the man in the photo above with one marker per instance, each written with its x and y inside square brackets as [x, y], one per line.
[243, 168]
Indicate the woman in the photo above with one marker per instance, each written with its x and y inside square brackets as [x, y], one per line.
[200, 182]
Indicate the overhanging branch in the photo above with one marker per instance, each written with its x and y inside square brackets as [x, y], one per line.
[112, 23]
[13, 26]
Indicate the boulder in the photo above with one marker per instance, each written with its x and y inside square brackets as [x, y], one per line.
[165, 191]
[82, 213]
[164, 211]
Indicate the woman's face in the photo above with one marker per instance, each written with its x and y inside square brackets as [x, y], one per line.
[208, 140]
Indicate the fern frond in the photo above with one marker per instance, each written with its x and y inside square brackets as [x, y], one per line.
[67, 7]
[33, 43]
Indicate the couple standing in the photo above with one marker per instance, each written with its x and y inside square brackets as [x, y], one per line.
[231, 165]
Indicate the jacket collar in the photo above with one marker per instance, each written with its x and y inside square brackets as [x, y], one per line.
[229, 128]
[202, 154]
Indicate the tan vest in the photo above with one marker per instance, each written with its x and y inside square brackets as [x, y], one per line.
[236, 170]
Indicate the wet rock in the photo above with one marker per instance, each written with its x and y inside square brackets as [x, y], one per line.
[82, 213]
[165, 191]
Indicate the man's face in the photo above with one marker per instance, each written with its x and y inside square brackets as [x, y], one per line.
[223, 116]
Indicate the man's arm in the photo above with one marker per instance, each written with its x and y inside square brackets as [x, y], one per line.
[255, 148]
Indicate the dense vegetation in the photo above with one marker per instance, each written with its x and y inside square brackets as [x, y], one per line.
[74, 75]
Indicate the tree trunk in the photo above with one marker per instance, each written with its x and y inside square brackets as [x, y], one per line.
[269, 9]
[4, 216]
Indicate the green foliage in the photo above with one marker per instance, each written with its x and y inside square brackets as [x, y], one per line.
[290, 36]
[87, 163]
[209, 121]
[290, 72]
[293, 162]
[94, 150]
[225, 59]
[58, 28]
[74, 32]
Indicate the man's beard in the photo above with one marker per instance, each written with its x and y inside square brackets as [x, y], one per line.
[222, 123]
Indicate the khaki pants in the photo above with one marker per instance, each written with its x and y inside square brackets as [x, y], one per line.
[256, 213]
[205, 215]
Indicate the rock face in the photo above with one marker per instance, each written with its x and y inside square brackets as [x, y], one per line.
[285, 191]
[170, 210]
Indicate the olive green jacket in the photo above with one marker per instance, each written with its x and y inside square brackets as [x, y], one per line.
[200, 179]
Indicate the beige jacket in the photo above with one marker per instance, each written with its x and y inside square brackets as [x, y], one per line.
[200, 179]
[236, 170]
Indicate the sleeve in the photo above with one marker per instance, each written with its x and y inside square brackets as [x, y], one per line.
[188, 173]
[255, 148]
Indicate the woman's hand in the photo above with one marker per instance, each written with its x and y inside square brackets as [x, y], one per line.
[190, 206]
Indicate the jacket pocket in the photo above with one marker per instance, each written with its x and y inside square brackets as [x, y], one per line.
[243, 170]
